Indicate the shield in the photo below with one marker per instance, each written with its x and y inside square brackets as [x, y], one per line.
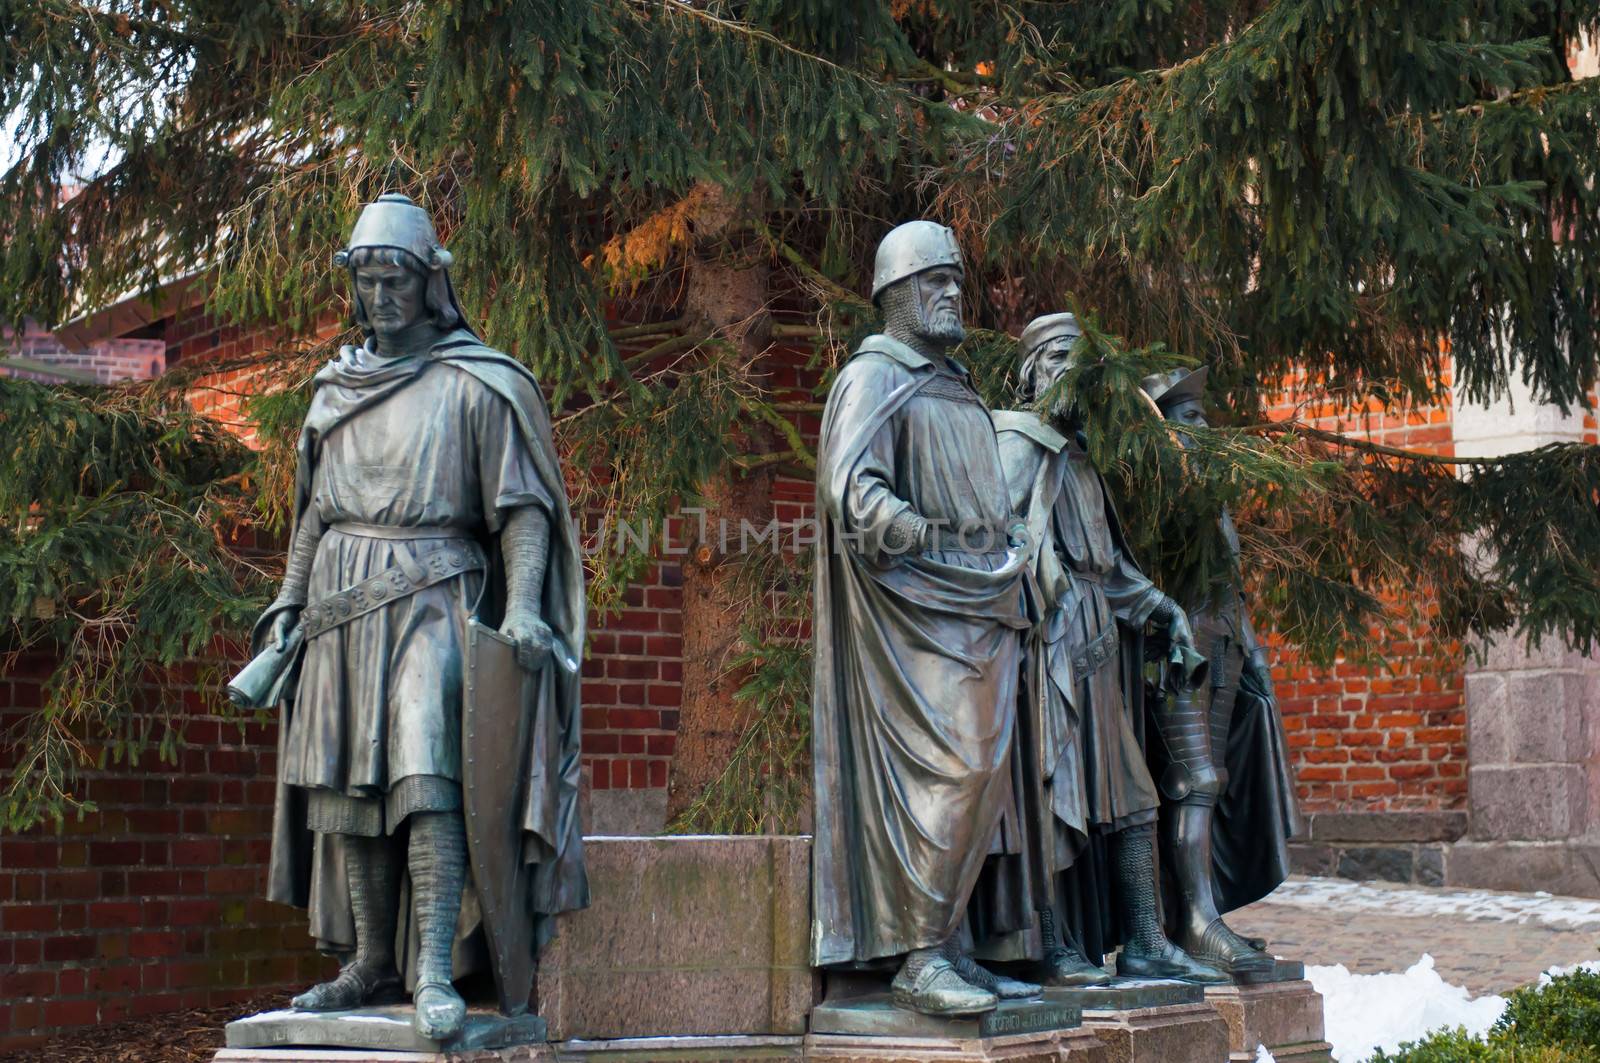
[494, 728]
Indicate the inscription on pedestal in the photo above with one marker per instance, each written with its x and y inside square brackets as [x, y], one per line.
[877, 1016]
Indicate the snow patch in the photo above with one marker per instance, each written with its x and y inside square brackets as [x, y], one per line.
[1592, 966]
[1263, 1056]
[1368, 1012]
[1542, 909]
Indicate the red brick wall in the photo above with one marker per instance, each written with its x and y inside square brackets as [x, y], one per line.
[154, 902]
[1392, 737]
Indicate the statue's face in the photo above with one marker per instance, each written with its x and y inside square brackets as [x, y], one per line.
[393, 297]
[1054, 359]
[939, 302]
[1189, 412]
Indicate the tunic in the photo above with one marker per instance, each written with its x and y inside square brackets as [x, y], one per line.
[916, 662]
[379, 699]
[1086, 586]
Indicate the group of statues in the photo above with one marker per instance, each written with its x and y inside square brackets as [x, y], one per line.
[980, 752]
[990, 759]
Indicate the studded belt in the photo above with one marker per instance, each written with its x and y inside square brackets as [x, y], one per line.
[406, 578]
[1087, 661]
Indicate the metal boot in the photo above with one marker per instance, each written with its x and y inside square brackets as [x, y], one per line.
[438, 862]
[1064, 963]
[1147, 953]
[370, 976]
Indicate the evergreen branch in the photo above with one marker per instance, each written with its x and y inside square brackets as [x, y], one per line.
[785, 427]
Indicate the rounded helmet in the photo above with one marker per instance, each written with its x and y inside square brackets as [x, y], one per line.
[910, 248]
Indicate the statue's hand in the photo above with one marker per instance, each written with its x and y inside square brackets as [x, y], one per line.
[531, 634]
[1178, 628]
[283, 624]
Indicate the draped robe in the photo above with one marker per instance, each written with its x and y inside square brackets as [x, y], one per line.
[916, 663]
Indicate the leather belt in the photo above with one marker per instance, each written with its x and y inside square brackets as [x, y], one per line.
[1087, 661]
[408, 577]
[389, 531]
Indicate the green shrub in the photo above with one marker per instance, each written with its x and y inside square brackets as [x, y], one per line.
[1554, 1023]
[1565, 1013]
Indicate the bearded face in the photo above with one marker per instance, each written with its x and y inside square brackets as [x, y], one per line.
[1053, 358]
[938, 293]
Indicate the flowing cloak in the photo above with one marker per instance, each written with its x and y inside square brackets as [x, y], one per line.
[1256, 814]
[916, 664]
[1086, 756]
[307, 870]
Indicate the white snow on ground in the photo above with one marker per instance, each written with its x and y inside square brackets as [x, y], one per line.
[1592, 966]
[1367, 1012]
[1543, 909]
[1263, 1056]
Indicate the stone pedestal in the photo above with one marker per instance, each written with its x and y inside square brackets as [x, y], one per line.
[1181, 1033]
[686, 936]
[385, 1029]
[1058, 1046]
[1285, 1016]
[521, 1054]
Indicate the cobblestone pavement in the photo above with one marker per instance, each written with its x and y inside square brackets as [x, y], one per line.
[1488, 942]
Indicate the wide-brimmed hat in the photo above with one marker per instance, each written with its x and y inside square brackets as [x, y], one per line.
[1170, 388]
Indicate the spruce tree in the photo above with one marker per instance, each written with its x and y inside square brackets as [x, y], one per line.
[1354, 194]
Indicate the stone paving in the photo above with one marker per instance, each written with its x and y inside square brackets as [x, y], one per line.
[1486, 941]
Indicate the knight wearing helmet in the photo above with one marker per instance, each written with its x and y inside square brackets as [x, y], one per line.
[429, 512]
[919, 847]
[1228, 787]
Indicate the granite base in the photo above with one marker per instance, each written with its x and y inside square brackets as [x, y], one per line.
[1076, 1045]
[876, 1015]
[386, 1029]
[1286, 1017]
[1281, 971]
[1128, 995]
[1180, 1033]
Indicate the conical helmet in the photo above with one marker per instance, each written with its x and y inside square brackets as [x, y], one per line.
[395, 221]
[911, 248]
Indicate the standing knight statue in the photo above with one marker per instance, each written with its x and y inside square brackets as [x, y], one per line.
[918, 634]
[432, 603]
[1094, 791]
[1224, 766]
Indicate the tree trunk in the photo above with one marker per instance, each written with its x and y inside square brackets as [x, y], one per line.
[731, 297]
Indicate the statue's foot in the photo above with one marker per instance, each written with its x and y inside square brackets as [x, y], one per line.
[355, 986]
[980, 977]
[1220, 947]
[440, 1011]
[936, 989]
[1168, 962]
[1064, 967]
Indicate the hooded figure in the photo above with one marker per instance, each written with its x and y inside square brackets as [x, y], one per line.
[1089, 603]
[429, 511]
[918, 635]
[1225, 777]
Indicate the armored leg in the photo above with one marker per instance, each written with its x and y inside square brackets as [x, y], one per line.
[438, 862]
[1147, 953]
[928, 983]
[1064, 963]
[1194, 780]
[370, 976]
